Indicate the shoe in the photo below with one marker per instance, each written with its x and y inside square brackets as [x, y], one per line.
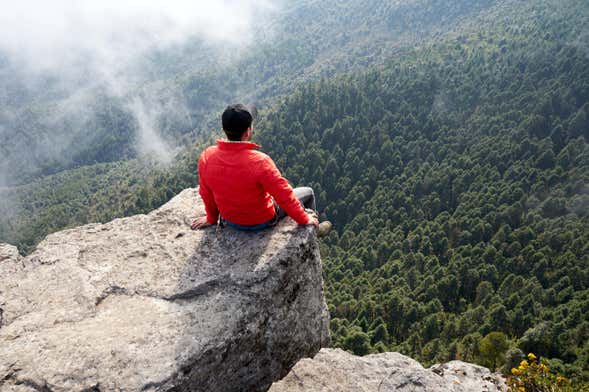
[324, 228]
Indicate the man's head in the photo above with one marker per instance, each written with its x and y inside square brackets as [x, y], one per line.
[237, 120]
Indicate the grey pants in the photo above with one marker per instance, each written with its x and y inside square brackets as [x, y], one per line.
[305, 196]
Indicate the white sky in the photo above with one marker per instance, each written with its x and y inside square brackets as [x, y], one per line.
[49, 33]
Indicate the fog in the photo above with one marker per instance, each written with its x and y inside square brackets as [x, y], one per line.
[53, 34]
[84, 46]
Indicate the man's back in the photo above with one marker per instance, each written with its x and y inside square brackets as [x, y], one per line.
[240, 183]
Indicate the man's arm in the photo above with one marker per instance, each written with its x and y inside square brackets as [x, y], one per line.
[207, 197]
[279, 188]
[209, 201]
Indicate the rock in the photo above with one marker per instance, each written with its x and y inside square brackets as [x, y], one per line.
[9, 253]
[335, 370]
[470, 377]
[146, 304]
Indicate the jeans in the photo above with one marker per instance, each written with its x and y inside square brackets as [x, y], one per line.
[305, 195]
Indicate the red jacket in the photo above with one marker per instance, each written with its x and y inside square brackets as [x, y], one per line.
[239, 183]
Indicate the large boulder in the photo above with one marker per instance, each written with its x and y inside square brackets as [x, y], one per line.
[146, 304]
[335, 370]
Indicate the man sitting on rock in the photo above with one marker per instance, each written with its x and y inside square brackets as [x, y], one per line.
[242, 187]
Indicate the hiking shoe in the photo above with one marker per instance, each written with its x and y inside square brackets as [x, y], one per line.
[324, 228]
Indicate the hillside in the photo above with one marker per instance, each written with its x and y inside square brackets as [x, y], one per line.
[457, 178]
[456, 174]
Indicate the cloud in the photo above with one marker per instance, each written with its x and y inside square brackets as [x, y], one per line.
[47, 35]
[149, 142]
[84, 46]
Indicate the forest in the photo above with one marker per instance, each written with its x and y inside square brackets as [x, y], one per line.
[457, 178]
[458, 181]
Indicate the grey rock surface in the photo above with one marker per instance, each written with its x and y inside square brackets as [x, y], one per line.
[335, 370]
[146, 304]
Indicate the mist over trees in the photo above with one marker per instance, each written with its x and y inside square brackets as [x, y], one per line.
[96, 81]
[146, 83]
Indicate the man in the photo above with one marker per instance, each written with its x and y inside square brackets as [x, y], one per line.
[242, 187]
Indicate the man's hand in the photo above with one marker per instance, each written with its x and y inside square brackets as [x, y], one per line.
[313, 218]
[200, 223]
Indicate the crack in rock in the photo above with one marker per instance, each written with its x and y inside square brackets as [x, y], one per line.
[197, 291]
[110, 291]
[200, 290]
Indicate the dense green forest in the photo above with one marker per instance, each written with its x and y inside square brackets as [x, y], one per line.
[458, 181]
[456, 175]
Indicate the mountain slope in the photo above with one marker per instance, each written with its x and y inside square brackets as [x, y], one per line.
[458, 180]
[457, 177]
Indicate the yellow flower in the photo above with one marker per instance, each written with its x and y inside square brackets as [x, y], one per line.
[515, 371]
[531, 356]
[523, 364]
[543, 368]
[521, 389]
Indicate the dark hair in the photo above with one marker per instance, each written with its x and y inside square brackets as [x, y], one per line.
[236, 120]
